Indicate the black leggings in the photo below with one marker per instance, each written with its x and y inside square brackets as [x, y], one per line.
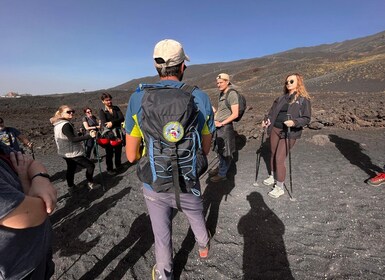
[279, 152]
[84, 162]
[110, 152]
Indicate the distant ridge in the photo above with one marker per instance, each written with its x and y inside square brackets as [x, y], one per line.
[356, 65]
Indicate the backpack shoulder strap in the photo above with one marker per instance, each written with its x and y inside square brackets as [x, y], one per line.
[188, 88]
[227, 96]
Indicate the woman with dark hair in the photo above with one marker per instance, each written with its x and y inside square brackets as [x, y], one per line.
[70, 146]
[90, 123]
[285, 121]
[111, 118]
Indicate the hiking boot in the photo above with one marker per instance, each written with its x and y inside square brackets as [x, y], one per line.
[269, 181]
[156, 273]
[214, 171]
[204, 251]
[218, 178]
[276, 192]
[93, 186]
[377, 180]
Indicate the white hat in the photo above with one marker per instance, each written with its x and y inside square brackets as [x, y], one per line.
[168, 53]
[224, 76]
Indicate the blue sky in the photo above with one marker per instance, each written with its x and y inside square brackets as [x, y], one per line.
[57, 46]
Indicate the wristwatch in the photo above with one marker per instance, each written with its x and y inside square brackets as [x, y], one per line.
[42, 174]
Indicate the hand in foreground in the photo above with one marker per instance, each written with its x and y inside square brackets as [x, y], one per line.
[21, 163]
[43, 188]
[39, 186]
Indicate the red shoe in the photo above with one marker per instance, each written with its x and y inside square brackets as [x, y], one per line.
[378, 180]
[204, 251]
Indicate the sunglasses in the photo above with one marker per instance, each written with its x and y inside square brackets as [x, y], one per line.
[70, 112]
[289, 82]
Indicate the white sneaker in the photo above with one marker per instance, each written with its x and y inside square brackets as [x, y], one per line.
[93, 186]
[276, 192]
[269, 181]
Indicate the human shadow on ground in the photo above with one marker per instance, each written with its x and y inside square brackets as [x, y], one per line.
[213, 195]
[70, 223]
[354, 153]
[140, 237]
[264, 253]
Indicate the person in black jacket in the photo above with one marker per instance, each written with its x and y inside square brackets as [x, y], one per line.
[291, 110]
[90, 123]
[111, 118]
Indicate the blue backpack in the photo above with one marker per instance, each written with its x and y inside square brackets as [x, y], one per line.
[174, 159]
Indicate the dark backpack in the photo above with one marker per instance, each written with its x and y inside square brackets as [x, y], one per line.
[174, 159]
[241, 102]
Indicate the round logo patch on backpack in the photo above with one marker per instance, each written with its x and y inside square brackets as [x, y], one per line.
[173, 131]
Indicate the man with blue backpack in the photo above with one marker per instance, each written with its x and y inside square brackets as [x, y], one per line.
[174, 124]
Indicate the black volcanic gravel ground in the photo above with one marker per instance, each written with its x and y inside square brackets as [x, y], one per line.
[332, 229]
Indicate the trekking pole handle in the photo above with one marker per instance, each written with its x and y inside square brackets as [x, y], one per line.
[288, 117]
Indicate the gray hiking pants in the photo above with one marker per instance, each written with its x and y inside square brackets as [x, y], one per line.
[160, 207]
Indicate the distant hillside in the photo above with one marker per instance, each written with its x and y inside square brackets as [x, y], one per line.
[346, 81]
[351, 66]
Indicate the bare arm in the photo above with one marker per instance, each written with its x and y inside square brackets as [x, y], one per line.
[206, 143]
[30, 213]
[132, 148]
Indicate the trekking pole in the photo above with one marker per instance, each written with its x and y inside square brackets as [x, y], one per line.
[258, 159]
[100, 165]
[288, 147]
[259, 152]
[32, 152]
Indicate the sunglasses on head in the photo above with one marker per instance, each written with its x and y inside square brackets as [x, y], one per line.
[70, 112]
[289, 82]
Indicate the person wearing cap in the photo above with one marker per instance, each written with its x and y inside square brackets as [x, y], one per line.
[169, 59]
[225, 135]
[10, 137]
